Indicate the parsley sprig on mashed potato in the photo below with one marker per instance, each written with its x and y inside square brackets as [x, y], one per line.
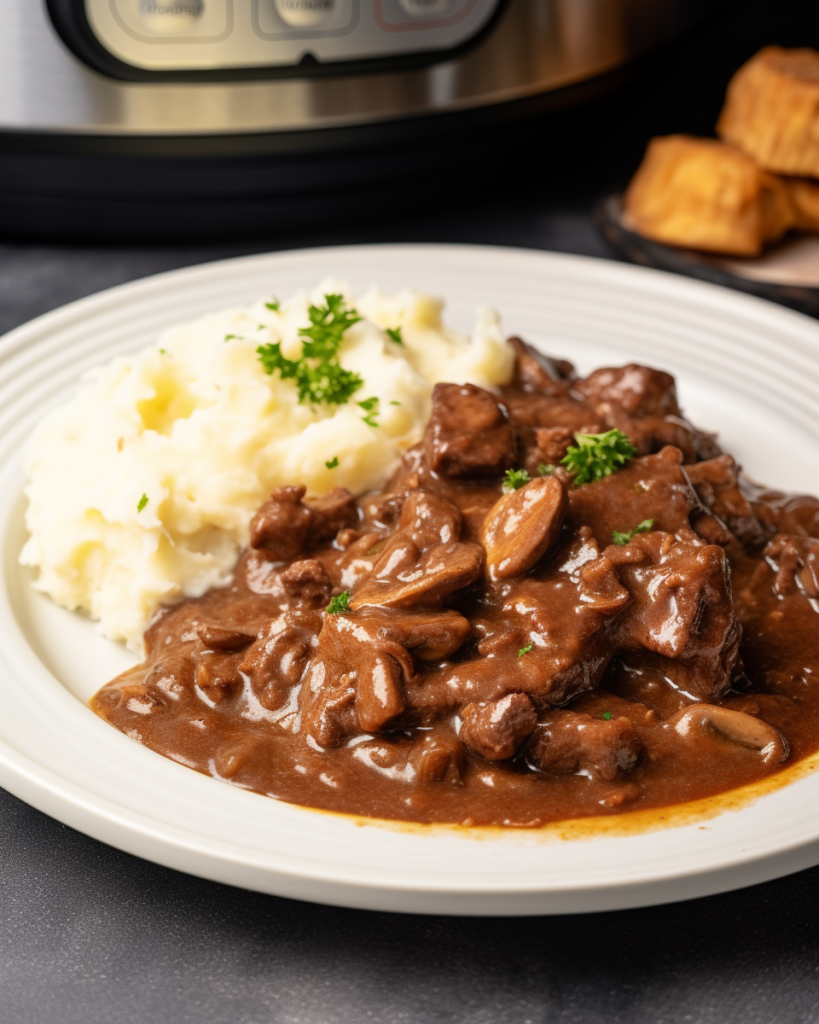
[142, 487]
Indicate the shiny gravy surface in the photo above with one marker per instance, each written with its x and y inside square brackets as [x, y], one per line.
[491, 655]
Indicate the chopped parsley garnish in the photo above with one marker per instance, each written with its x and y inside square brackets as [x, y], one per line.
[545, 468]
[163, 352]
[607, 715]
[339, 604]
[625, 538]
[143, 501]
[332, 463]
[370, 407]
[261, 327]
[393, 402]
[231, 337]
[274, 305]
[327, 325]
[317, 373]
[395, 334]
[525, 650]
[598, 455]
[515, 479]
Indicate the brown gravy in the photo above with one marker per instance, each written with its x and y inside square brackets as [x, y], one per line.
[503, 657]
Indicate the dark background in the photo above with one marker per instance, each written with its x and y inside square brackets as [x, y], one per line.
[89, 935]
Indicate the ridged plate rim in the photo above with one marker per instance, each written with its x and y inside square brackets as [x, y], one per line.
[58, 756]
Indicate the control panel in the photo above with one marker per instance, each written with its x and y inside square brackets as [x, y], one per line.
[201, 35]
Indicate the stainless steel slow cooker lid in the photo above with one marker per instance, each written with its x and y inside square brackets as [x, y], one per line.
[531, 47]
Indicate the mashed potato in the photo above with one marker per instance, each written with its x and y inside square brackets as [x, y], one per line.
[142, 487]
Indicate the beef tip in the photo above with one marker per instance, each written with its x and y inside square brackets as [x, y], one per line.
[523, 526]
[532, 412]
[382, 510]
[282, 524]
[544, 641]
[469, 433]
[796, 562]
[371, 650]
[798, 514]
[535, 371]
[710, 528]
[429, 519]
[216, 676]
[600, 588]
[554, 442]
[651, 433]
[506, 643]
[682, 609]
[571, 742]
[306, 581]
[496, 730]
[378, 696]
[371, 660]
[717, 486]
[438, 756]
[328, 707]
[431, 636]
[358, 558]
[286, 526]
[404, 578]
[215, 638]
[653, 487]
[636, 390]
[642, 402]
[547, 446]
[278, 658]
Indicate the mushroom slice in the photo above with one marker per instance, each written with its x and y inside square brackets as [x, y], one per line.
[522, 526]
[215, 638]
[405, 583]
[733, 725]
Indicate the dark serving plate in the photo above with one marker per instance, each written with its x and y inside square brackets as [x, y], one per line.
[788, 273]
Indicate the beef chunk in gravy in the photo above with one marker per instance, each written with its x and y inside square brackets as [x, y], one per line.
[497, 729]
[643, 404]
[465, 646]
[571, 742]
[286, 526]
[536, 372]
[469, 433]
[718, 487]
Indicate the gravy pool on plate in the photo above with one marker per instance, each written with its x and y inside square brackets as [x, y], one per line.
[566, 602]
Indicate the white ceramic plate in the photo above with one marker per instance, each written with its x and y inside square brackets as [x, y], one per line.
[745, 368]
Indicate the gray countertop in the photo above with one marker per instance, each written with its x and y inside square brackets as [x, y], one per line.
[89, 935]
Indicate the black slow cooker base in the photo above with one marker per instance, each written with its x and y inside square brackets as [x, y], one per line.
[104, 188]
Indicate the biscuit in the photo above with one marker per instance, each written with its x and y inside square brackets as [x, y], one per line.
[771, 111]
[804, 196]
[703, 194]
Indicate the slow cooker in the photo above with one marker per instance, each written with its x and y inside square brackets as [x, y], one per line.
[143, 116]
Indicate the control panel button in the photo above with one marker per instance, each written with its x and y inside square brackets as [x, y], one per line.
[424, 8]
[305, 13]
[170, 17]
[303, 19]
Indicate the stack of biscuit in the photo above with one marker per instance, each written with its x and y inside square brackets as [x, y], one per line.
[761, 180]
